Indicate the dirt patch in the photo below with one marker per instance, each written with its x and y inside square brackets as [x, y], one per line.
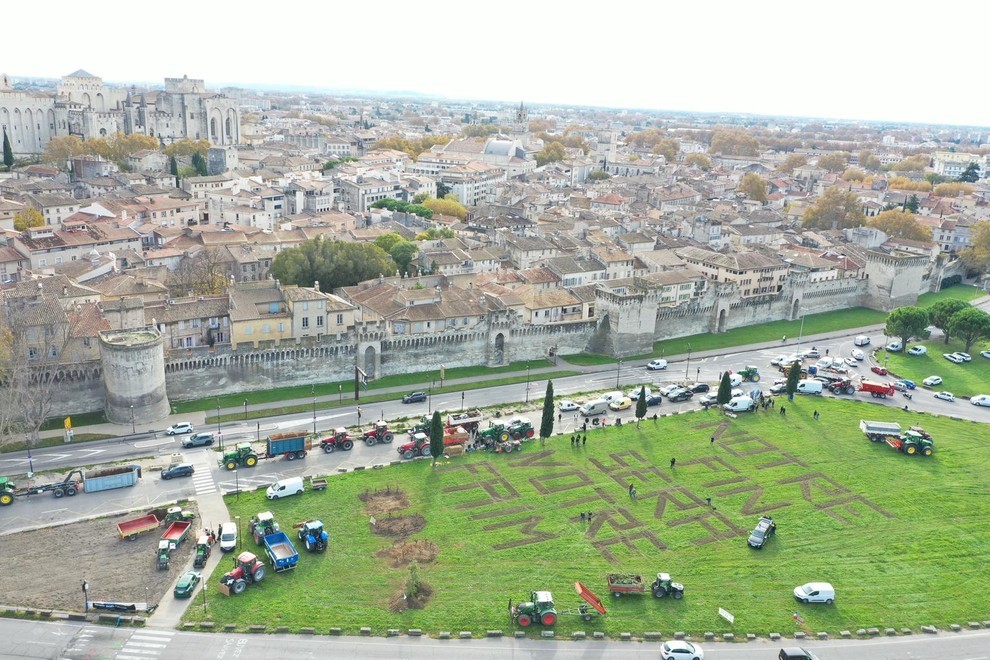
[383, 502]
[43, 568]
[402, 601]
[404, 553]
[399, 526]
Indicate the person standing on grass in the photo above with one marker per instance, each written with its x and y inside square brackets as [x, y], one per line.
[673, 461]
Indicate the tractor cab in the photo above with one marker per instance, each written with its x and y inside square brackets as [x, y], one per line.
[175, 513]
[266, 521]
[543, 599]
[340, 433]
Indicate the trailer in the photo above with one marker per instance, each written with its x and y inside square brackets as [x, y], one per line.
[176, 531]
[291, 445]
[129, 529]
[584, 611]
[281, 551]
[621, 583]
[877, 431]
[110, 478]
[469, 420]
[877, 390]
[92, 482]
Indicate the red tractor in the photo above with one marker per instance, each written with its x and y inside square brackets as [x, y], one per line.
[378, 433]
[247, 569]
[339, 439]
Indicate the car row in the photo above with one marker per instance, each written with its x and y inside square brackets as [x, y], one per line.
[957, 357]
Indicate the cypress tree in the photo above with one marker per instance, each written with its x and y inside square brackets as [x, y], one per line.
[546, 425]
[8, 152]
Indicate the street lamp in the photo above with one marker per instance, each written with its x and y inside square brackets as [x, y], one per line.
[218, 415]
[429, 398]
[618, 366]
[462, 401]
[257, 429]
[314, 415]
[204, 598]
[801, 331]
[687, 366]
[132, 419]
[698, 375]
[237, 522]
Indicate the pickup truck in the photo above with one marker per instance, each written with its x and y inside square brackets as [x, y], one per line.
[281, 551]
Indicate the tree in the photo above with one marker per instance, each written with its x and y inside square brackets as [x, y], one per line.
[641, 406]
[904, 183]
[447, 206]
[443, 189]
[952, 189]
[977, 256]
[853, 174]
[436, 436]
[420, 198]
[331, 263]
[173, 166]
[387, 241]
[546, 422]
[907, 322]
[668, 149]
[61, 148]
[793, 376]
[724, 390]
[205, 273]
[199, 163]
[837, 208]
[942, 312]
[8, 152]
[791, 163]
[402, 254]
[970, 175]
[433, 233]
[27, 218]
[834, 162]
[754, 187]
[935, 179]
[186, 147]
[551, 153]
[912, 164]
[912, 204]
[900, 224]
[970, 325]
[599, 175]
[869, 162]
[731, 142]
[701, 161]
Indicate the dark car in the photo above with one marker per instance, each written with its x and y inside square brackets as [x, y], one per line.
[178, 470]
[699, 388]
[187, 584]
[765, 528]
[414, 397]
[779, 388]
[680, 395]
[654, 400]
[796, 653]
[198, 440]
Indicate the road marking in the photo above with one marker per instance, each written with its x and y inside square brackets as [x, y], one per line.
[144, 645]
[86, 453]
[163, 633]
[155, 443]
[53, 511]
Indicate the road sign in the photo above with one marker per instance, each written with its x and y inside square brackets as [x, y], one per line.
[726, 615]
[68, 423]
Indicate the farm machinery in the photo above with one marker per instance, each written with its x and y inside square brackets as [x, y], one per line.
[877, 390]
[247, 569]
[844, 386]
[312, 535]
[172, 537]
[469, 420]
[262, 525]
[74, 482]
[203, 549]
[378, 433]
[662, 587]
[338, 439]
[750, 373]
[540, 608]
[291, 445]
[913, 442]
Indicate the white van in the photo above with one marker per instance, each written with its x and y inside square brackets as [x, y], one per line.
[228, 536]
[284, 488]
[735, 380]
[861, 340]
[740, 404]
[809, 386]
[815, 592]
[609, 397]
[594, 408]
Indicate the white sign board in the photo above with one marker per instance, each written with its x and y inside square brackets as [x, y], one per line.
[725, 615]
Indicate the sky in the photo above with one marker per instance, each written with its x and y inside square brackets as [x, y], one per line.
[873, 59]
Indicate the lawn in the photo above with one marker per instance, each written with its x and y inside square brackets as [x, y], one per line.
[502, 525]
[964, 380]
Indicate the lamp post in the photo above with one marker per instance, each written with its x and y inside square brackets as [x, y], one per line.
[85, 588]
[698, 375]
[257, 430]
[237, 487]
[245, 409]
[218, 415]
[132, 420]
[687, 366]
[462, 401]
[237, 522]
[314, 415]
[801, 331]
[527, 382]
[429, 398]
[618, 366]
[204, 598]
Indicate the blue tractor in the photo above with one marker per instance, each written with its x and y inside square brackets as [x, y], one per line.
[312, 534]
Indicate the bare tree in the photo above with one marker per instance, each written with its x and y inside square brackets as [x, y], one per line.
[204, 273]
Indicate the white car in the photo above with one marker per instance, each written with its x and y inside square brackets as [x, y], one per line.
[181, 427]
[980, 400]
[567, 406]
[811, 353]
[656, 365]
[932, 380]
[895, 346]
[966, 357]
[952, 357]
[737, 392]
[634, 393]
[678, 649]
[667, 389]
[852, 362]
[779, 360]
[985, 354]
[945, 396]
[858, 354]
[917, 350]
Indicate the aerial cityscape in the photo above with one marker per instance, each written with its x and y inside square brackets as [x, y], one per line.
[728, 304]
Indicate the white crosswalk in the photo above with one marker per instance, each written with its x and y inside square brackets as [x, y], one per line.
[145, 644]
[203, 475]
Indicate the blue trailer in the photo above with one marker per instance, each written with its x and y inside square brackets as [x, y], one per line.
[110, 478]
[281, 551]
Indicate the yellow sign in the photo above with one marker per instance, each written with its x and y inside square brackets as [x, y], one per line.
[68, 423]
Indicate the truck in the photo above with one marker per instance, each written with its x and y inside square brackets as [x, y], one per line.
[291, 445]
[281, 551]
[469, 420]
[129, 529]
[90, 482]
[262, 525]
[913, 442]
[877, 390]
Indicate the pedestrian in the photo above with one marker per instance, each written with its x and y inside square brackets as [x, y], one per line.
[633, 493]
[584, 440]
[560, 417]
[783, 410]
[783, 340]
[584, 427]
[712, 441]
[631, 489]
[572, 441]
[708, 500]
[826, 352]
[589, 516]
[773, 402]
[583, 517]
[815, 415]
[672, 462]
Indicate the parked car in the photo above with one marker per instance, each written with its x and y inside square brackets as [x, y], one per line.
[667, 389]
[181, 427]
[656, 365]
[567, 406]
[737, 392]
[654, 400]
[625, 403]
[917, 350]
[877, 369]
[765, 528]
[815, 592]
[778, 389]
[945, 396]
[851, 362]
[680, 395]
[707, 400]
[980, 400]
[634, 392]
[414, 397]
[779, 360]
[900, 386]
[796, 653]
[858, 354]
[910, 383]
[699, 388]
[186, 585]
[177, 470]
[965, 356]
[985, 354]
[198, 440]
[932, 380]
[952, 357]
[611, 396]
[895, 346]
[677, 649]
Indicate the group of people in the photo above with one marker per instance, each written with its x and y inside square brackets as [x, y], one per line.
[210, 535]
[579, 439]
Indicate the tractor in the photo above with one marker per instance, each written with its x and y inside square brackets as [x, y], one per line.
[664, 586]
[7, 489]
[506, 447]
[312, 534]
[844, 386]
[242, 455]
[339, 439]
[165, 549]
[262, 525]
[539, 609]
[247, 569]
[495, 432]
[750, 373]
[202, 551]
[174, 513]
[521, 429]
[378, 433]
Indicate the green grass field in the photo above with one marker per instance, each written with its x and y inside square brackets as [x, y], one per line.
[963, 380]
[851, 512]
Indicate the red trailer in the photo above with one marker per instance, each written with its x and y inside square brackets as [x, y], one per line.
[878, 390]
[129, 529]
[176, 532]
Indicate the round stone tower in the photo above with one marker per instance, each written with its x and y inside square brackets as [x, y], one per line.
[134, 375]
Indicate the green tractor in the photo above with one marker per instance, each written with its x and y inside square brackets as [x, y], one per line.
[262, 525]
[243, 455]
[539, 609]
[7, 489]
[521, 429]
[912, 443]
[202, 551]
[750, 373]
[496, 432]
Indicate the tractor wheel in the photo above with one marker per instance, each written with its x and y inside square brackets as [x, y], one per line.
[425, 451]
[259, 573]
[70, 491]
[371, 442]
[503, 436]
[524, 620]
[517, 436]
[309, 545]
[409, 453]
[755, 378]
[850, 391]
[239, 586]
[5, 499]
[659, 593]
[910, 450]
[328, 448]
[290, 456]
[251, 460]
[548, 618]
[58, 492]
[678, 595]
[587, 617]
[347, 445]
[927, 451]
[883, 396]
[387, 438]
[530, 433]
[231, 465]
